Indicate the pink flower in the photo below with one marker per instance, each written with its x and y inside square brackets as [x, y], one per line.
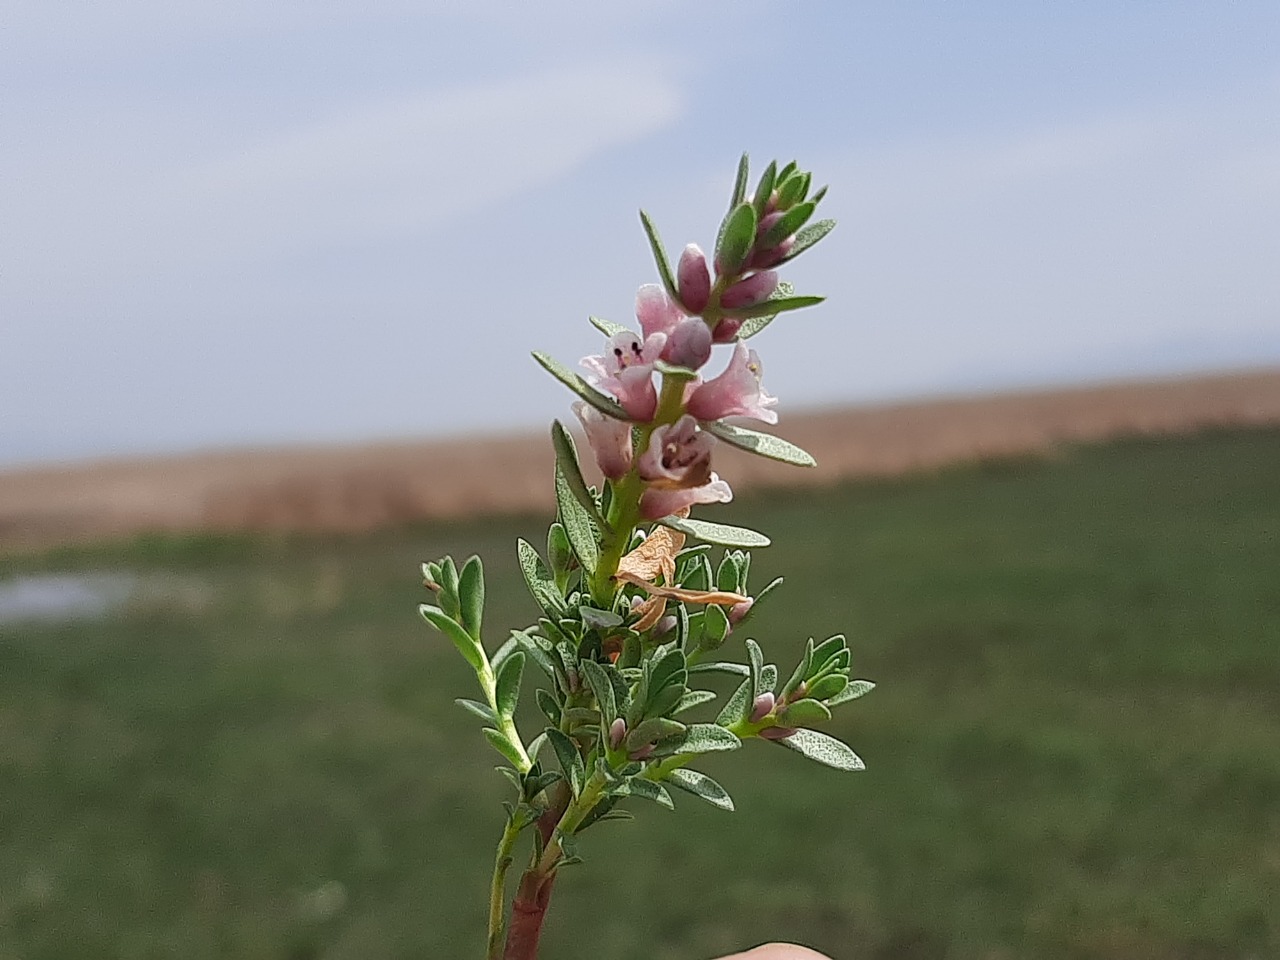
[610, 440]
[678, 456]
[693, 279]
[655, 311]
[736, 392]
[656, 503]
[625, 369]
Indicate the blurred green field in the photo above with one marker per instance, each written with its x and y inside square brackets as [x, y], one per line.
[1073, 752]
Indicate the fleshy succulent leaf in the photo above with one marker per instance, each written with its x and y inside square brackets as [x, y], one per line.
[602, 402]
[660, 256]
[718, 533]
[761, 444]
[824, 749]
[701, 785]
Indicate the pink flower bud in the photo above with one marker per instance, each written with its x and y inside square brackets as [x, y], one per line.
[645, 752]
[739, 611]
[726, 330]
[693, 279]
[664, 626]
[617, 730]
[762, 707]
[689, 344]
[610, 440]
[768, 220]
[747, 293]
[777, 733]
[764, 259]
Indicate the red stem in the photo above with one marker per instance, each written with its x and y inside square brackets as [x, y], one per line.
[533, 896]
[528, 910]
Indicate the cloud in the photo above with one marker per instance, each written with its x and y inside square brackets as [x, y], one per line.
[414, 163]
[133, 191]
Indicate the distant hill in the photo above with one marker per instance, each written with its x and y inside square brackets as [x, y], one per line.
[364, 487]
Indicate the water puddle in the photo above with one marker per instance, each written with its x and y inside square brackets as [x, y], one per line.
[59, 597]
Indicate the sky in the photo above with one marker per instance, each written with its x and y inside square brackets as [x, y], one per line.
[232, 223]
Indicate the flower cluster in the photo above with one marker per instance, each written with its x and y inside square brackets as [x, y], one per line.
[631, 615]
[667, 436]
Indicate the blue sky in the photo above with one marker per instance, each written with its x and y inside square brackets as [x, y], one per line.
[236, 223]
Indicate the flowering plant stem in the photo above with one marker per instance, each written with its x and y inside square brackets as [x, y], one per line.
[630, 618]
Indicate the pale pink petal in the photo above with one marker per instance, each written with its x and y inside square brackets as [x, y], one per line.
[736, 392]
[610, 440]
[655, 311]
[656, 503]
[678, 454]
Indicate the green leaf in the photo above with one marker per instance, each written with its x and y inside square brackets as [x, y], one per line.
[699, 738]
[790, 190]
[530, 645]
[768, 677]
[802, 669]
[659, 256]
[804, 713]
[754, 325]
[738, 706]
[578, 526]
[667, 669]
[700, 785]
[773, 307]
[691, 699]
[637, 787]
[826, 650]
[811, 234]
[855, 689]
[605, 404]
[715, 627]
[602, 688]
[761, 444]
[664, 701]
[599, 620]
[466, 645]
[570, 760]
[721, 666]
[653, 730]
[508, 647]
[548, 704]
[764, 189]
[560, 556]
[508, 685]
[756, 657]
[824, 749]
[737, 235]
[740, 182]
[479, 709]
[504, 746]
[791, 221]
[719, 533]
[824, 688]
[538, 579]
[607, 327]
[567, 458]
[471, 596]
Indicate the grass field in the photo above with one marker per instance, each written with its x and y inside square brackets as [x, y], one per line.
[1073, 752]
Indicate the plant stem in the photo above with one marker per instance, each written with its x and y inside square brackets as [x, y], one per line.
[529, 908]
[502, 861]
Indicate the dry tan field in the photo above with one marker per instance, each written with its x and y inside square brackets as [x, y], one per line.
[356, 488]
